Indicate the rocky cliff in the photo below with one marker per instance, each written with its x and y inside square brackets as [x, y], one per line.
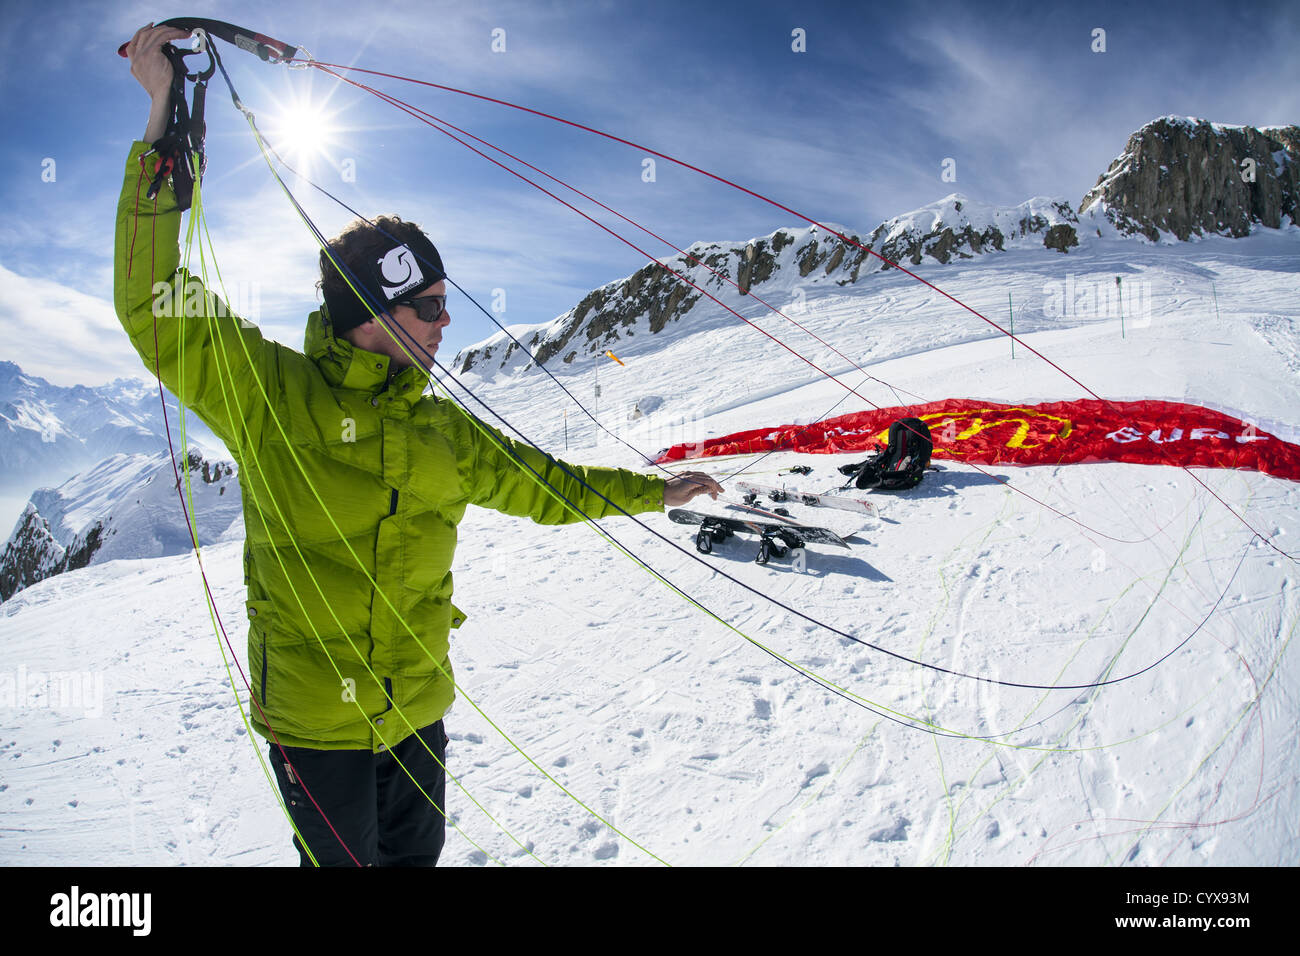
[1187, 177]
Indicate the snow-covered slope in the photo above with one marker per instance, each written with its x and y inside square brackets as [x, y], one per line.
[686, 734]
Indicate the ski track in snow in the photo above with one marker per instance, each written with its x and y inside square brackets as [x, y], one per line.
[693, 741]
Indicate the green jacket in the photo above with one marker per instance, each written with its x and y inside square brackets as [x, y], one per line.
[365, 580]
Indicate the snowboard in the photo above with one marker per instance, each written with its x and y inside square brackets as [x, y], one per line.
[776, 538]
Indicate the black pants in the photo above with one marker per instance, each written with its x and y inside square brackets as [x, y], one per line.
[374, 814]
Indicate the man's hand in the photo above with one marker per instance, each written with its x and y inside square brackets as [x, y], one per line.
[678, 491]
[150, 66]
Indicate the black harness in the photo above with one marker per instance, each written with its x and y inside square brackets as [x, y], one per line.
[180, 152]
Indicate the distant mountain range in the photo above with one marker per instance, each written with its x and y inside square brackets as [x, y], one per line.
[112, 440]
[48, 432]
[1177, 178]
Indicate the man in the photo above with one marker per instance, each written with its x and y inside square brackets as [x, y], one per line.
[353, 483]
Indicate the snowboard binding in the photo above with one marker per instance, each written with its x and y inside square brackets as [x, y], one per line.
[777, 543]
[774, 543]
[711, 532]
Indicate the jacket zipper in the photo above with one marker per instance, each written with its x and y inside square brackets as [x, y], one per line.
[392, 503]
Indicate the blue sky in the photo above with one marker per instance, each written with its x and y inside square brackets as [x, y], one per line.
[853, 130]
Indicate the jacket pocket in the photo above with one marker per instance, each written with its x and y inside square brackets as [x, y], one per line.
[259, 625]
[264, 667]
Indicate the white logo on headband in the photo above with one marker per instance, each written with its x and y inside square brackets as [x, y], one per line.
[399, 271]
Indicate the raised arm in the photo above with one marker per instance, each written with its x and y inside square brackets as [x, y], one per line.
[216, 363]
[154, 72]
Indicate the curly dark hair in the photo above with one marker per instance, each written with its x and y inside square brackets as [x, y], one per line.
[358, 246]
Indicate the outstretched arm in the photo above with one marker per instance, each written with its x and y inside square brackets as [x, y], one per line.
[503, 474]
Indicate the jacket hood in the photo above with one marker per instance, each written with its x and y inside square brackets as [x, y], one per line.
[344, 365]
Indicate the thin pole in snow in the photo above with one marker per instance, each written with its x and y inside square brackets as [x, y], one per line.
[1012, 310]
[1119, 289]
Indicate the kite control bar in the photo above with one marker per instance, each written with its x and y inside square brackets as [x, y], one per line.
[272, 51]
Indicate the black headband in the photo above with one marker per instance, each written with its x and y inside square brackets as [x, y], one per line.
[404, 270]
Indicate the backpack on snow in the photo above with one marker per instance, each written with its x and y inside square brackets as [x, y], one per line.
[901, 464]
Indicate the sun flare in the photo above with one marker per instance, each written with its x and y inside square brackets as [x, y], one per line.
[302, 133]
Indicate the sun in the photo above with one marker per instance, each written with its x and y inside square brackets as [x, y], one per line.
[302, 133]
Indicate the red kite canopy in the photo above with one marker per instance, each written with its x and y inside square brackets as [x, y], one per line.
[1050, 433]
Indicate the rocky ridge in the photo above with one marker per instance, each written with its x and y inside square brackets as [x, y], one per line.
[652, 298]
[1188, 177]
[1177, 177]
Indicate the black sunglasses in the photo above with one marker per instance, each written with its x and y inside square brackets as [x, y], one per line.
[429, 308]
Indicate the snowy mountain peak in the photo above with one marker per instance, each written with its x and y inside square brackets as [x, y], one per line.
[959, 227]
[47, 431]
[123, 507]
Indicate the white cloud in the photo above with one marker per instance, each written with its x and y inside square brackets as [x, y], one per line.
[1030, 109]
[63, 335]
